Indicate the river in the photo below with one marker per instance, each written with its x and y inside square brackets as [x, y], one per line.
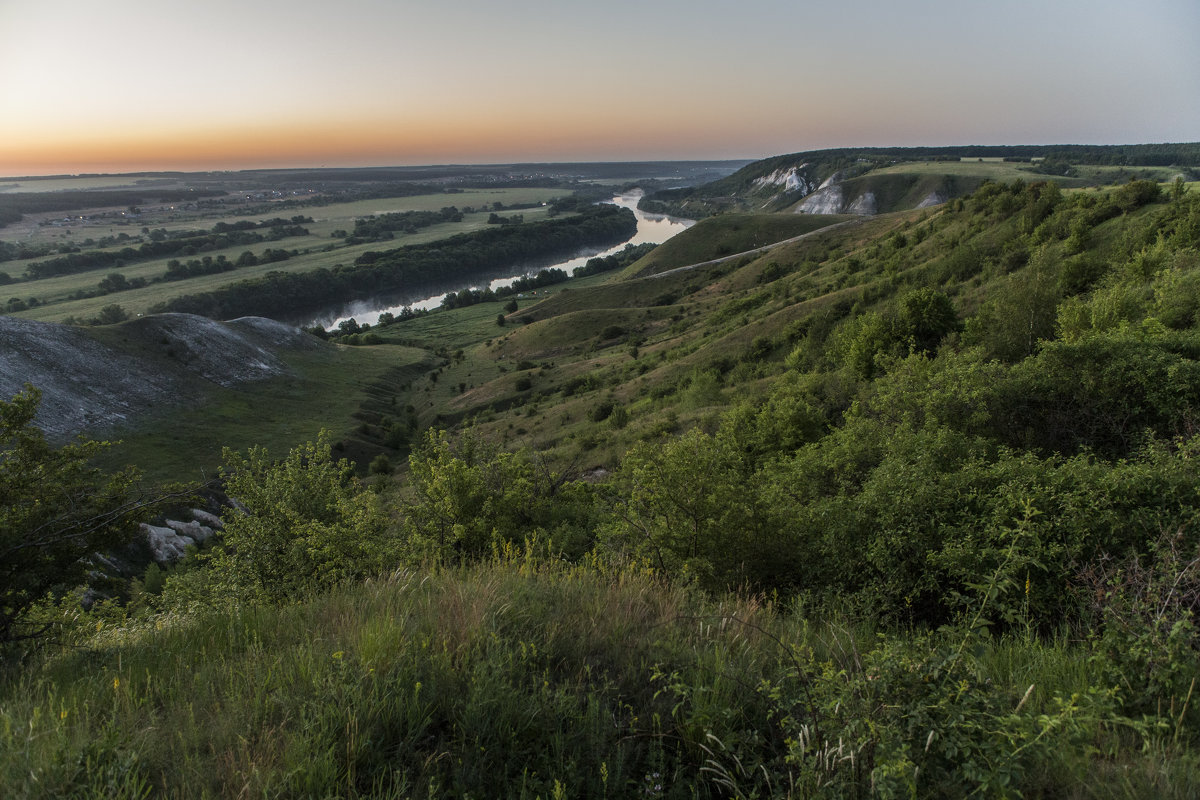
[650, 228]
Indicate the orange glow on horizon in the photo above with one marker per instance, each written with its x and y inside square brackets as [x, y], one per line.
[365, 141]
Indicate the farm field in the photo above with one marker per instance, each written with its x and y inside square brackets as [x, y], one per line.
[317, 250]
[1006, 171]
[79, 183]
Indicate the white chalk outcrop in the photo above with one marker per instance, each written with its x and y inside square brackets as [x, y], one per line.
[826, 200]
[169, 541]
[790, 180]
[166, 544]
[932, 199]
[863, 205]
[85, 385]
[830, 198]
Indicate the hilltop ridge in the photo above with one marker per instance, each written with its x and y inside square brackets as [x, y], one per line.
[93, 379]
[873, 180]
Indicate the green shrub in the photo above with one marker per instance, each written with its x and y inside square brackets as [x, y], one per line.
[308, 526]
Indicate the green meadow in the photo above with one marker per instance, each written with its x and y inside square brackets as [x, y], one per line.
[325, 390]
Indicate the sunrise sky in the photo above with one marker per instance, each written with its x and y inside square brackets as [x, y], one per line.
[128, 85]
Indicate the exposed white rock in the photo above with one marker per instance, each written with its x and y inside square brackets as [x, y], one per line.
[863, 205]
[274, 333]
[90, 386]
[823, 201]
[932, 199]
[191, 529]
[166, 544]
[207, 518]
[830, 181]
[106, 562]
[792, 180]
[214, 350]
[84, 384]
[595, 475]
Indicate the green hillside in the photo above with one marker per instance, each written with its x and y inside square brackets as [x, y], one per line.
[726, 235]
[904, 507]
[895, 179]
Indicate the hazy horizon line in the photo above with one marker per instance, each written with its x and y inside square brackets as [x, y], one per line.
[102, 173]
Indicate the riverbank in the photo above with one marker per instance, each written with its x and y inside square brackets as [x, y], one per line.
[651, 228]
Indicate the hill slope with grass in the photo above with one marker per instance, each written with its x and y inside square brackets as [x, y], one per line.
[868, 181]
[908, 506]
[96, 379]
[178, 387]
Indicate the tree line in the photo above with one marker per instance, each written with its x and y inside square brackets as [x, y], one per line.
[15, 205]
[162, 244]
[460, 257]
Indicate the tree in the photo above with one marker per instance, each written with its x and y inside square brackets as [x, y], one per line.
[110, 315]
[55, 510]
[685, 506]
[929, 315]
[309, 525]
[469, 496]
[113, 282]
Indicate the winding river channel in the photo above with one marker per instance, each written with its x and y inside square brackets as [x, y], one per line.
[650, 228]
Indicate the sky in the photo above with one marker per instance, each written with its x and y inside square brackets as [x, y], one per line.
[143, 85]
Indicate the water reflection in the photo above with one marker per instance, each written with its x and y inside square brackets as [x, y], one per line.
[650, 228]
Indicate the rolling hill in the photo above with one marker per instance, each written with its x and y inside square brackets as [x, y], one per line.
[869, 181]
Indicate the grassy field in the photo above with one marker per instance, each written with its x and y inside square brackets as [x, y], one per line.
[342, 215]
[52, 293]
[993, 169]
[1008, 171]
[326, 218]
[728, 234]
[325, 391]
[425, 683]
[69, 184]
[483, 374]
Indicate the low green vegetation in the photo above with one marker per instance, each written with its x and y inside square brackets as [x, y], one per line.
[727, 235]
[330, 389]
[888, 179]
[520, 677]
[904, 508]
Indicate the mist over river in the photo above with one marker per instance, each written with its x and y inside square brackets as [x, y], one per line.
[655, 228]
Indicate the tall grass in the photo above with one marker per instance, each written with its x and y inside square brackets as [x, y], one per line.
[508, 679]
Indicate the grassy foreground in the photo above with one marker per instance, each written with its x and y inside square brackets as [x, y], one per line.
[523, 677]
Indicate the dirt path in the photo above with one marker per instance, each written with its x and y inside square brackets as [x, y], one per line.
[758, 251]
